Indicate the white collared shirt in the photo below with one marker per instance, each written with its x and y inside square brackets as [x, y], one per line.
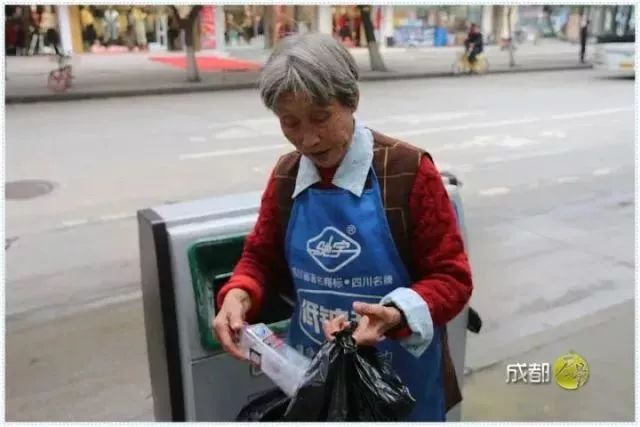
[352, 172]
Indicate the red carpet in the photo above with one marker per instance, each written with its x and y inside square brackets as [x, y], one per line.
[208, 63]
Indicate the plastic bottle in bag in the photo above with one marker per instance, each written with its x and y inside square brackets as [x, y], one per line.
[280, 362]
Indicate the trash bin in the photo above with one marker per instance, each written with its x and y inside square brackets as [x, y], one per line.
[187, 252]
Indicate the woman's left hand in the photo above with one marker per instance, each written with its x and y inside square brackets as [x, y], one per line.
[376, 320]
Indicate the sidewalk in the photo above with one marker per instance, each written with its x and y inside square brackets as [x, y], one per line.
[135, 74]
[61, 378]
[606, 341]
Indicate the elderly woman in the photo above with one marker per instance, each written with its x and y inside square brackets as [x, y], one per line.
[356, 225]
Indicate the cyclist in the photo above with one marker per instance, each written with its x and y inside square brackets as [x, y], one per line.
[473, 43]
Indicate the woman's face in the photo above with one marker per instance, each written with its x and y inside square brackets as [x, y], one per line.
[320, 132]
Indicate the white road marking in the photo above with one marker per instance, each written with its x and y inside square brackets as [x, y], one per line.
[97, 220]
[591, 113]
[249, 128]
[416, 119]
[514, 142]
[74, 223]
[553, 134]
[114, 217]
[235, 133]
[529, 155]
[499, 123]
[221, 153]
[476, 141]
[601, 172]
[481, 125]
[568, 179]
[197, 139]
[495, 191]
[244, 123]
[494, 159]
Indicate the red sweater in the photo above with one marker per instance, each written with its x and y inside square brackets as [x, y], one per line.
[436, 245]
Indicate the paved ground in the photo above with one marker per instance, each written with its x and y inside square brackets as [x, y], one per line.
[548, 165]
[135, 74]
[608, 396]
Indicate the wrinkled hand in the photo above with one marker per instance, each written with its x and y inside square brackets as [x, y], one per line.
[334, 325]
[230, 319]
[376, 320]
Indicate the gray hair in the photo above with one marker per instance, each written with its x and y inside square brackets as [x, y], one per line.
[314, 65]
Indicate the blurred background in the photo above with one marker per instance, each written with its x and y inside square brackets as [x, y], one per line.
[112, 109]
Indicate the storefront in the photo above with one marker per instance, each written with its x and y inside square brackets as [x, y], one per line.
[32, 30]
[99, 29]
[245, 25]
[434, 25]
[347, 25]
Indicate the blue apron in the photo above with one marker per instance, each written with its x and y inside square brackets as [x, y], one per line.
[340, 250]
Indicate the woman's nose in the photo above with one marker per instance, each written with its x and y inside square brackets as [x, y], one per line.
[309, 140]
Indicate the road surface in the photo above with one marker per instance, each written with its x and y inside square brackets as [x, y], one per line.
[547, 161]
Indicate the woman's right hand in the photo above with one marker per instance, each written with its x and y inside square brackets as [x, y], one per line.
[230, 319]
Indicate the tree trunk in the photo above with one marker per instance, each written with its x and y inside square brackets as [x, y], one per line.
[377, 63]
[192, 64]
[547, 19]
[187, 27]
[614, 20]
[512, 61]
[267, 25]
[627, 23]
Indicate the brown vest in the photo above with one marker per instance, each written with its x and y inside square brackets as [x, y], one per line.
[396, 164]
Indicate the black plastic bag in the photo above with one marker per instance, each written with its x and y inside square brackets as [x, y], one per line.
[474, 322]
[350, 383]
[266, 406]
[343, 383]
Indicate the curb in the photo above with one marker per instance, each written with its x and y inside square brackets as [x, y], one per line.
[370, 76]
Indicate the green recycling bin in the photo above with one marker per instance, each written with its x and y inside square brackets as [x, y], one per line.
[212, 263]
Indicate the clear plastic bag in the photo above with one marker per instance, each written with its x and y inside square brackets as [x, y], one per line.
[281, 363]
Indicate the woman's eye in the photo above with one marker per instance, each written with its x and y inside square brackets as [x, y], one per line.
[289, 122]
[320, 117]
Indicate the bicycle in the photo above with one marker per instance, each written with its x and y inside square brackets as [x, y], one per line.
[463, 65]
[60, 78]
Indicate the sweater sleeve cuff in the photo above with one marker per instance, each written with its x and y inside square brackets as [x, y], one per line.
[398, 333]
[248, 284]
[418, 317]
